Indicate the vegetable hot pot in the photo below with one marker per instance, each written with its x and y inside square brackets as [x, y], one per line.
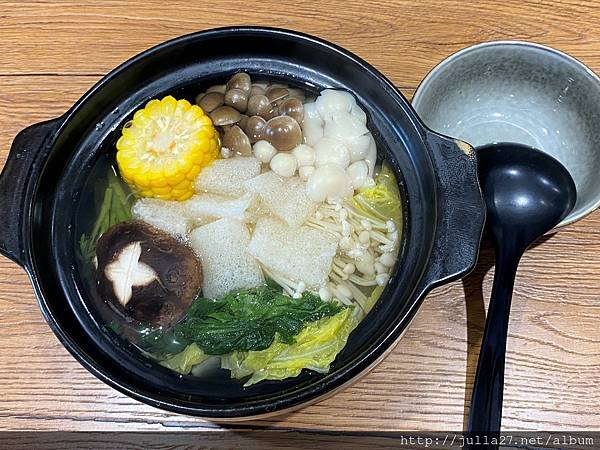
[49, 163]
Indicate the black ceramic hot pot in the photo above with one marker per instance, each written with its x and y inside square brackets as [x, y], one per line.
[49, 162]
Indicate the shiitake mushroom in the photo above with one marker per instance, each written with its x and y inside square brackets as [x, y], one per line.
[146, 274]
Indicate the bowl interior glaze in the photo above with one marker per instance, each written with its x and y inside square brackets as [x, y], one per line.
[523, 93]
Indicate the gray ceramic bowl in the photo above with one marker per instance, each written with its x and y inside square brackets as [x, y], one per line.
[511, 91]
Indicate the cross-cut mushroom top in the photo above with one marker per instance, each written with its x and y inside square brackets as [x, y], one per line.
[146, 273]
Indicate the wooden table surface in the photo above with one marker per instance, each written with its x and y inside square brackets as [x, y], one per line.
[51, 52]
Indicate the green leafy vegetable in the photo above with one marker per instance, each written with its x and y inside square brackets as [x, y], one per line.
[315, 348]
[184, 361]
[244, 320]
[381, 201]
[161, 343]
[375, 294]
[115, 208]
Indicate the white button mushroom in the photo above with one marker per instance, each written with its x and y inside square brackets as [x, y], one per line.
[310, 111]
[264, 151]
[358, 147]
[329, 182]
[344, 126]
[312, 130]
[304, 154]
[371, 156]
[305, 172]
[333, 101]
[331, 151]
[357, 112]
[358, 173]
[284, 164]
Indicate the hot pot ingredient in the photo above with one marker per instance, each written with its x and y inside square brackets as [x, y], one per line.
[296, 258]
[315, 347]
[164, 148]
[222, 248]
[367, 229]
[247, 320]
[166, 215]
[146, 273]
[326, 141]
[283, 132]
[285, 198]
[115, 208]
[227, 176]
[382, 200]
[185, 361]
[261, 111]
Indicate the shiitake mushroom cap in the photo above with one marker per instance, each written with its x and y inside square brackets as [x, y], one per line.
[166, 295]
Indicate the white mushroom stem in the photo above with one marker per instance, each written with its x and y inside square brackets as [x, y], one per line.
[288, 285]
[365, 254]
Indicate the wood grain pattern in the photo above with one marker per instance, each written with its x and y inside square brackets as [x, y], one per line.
[51, 52]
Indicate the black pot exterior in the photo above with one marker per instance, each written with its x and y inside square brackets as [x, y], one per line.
[49, 163]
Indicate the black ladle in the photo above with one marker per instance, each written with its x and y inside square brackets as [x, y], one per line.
[527, 193]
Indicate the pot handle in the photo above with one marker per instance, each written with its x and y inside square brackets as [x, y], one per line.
[25, 160]
[461, 211]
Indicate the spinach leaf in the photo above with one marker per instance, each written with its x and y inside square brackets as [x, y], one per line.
[247, 320]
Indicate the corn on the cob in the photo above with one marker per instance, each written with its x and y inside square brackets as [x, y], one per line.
[165, 146]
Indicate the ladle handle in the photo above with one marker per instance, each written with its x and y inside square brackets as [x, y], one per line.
[485, 414]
